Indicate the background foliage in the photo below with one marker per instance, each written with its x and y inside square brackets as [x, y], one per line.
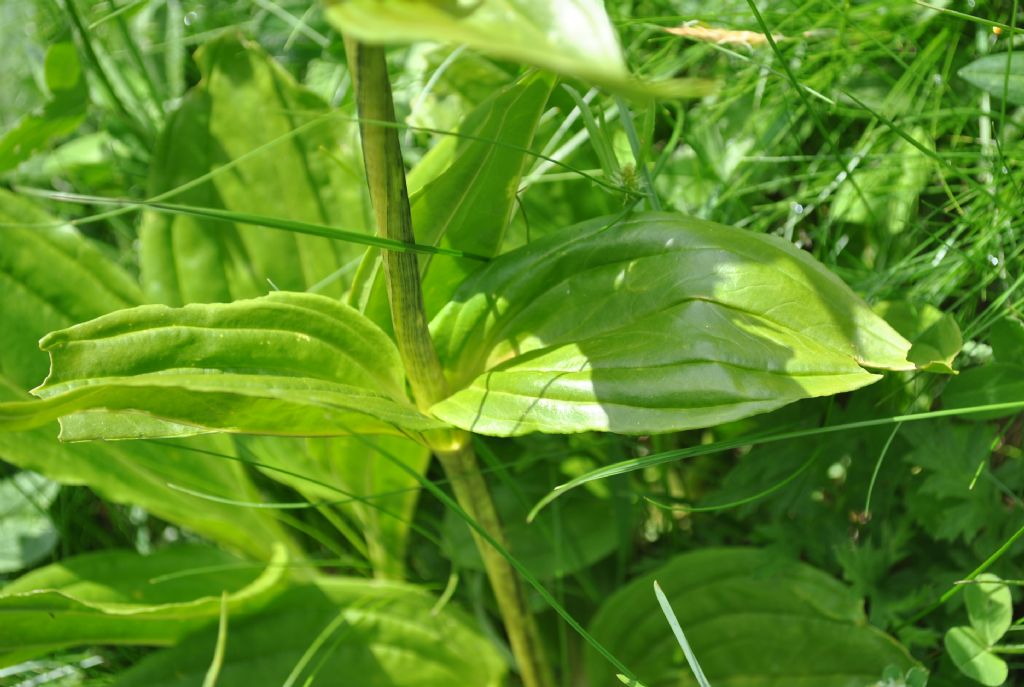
[884, 140]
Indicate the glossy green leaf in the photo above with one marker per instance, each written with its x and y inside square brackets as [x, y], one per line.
[60, 116]
[50, 278]
[652, 324]
[970, 653]
[989, 607]
[570, 37]
[287, 363]
[354, 475]
[934, 335]
[376, 635]
[751, 617]
[27, 535]
[120, 597]
[1001, 74]
[290, 161]
[993, 383]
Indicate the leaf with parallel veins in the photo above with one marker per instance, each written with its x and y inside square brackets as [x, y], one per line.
[653, 324]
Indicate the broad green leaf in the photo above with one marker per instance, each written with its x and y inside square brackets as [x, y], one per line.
[653, 324]
[374, 634]
[354, 475]
[990, 607]
[247, 106]
[61, 115]
[934, 335]
[27, 535]
[287, 363]
[570, 37]
[751, 617]
[997, 382]
[970, 653]
[1001, 74]
[120, 597]
[52, 277]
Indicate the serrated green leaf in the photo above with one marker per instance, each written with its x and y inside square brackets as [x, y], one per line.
[570, 37]
[1001, 74]
[934, 335]
[247, 106]
[120, 597]
[989, 607]
[384, 635]
[751, 617]
[652, 324]
[971, 655]
[993, 383]
[287, 363]
[947, 456]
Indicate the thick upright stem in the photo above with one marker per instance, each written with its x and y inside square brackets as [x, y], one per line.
[463, 471]
[385, 174]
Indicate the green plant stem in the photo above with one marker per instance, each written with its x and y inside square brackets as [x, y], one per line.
[471, 492]
[385, 174]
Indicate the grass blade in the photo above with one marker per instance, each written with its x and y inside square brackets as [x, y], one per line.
[256, 220]
[624, 466]
[222, 640]
[673, 622]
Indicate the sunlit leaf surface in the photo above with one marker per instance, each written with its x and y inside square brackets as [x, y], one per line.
[288, 161]
[652, 324]
[50, 278]
[570, 37]
[287, 363]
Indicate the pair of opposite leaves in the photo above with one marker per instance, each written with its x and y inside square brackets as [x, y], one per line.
[654, 323]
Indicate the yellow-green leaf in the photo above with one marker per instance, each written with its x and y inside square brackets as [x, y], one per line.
[570, 37]
[653, 324]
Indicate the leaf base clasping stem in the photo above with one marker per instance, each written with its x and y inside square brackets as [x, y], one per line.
[385, 172]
